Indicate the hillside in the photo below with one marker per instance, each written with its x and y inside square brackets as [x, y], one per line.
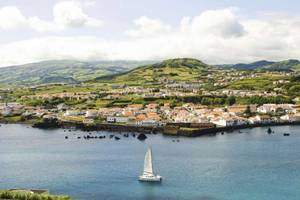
[63, 71]
[180, 69]
[286, 65]
[254, 65]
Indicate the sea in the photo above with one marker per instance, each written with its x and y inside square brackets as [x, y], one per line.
[249, 164]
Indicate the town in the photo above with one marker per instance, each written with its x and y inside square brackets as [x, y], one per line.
[210, 98]
[155, 115]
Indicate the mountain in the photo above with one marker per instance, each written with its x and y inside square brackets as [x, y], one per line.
[286, 65]
[254, 65]
[63, 71]
[179, 69]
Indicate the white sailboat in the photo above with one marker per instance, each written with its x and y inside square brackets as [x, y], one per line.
[148, 174]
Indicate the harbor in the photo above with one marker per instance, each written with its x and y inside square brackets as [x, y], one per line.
[203, 167]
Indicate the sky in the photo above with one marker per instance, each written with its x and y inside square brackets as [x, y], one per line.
[215, 31]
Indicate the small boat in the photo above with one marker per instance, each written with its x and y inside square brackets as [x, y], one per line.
[148, 175]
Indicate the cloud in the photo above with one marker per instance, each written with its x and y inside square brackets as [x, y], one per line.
[148, 27]
[66, 14]
[214, 36]
[70, 14]
[11, 18]
[217, 22]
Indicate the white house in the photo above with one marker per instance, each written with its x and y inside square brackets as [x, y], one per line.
[267, 108]
[74, 113]
[259, 119]
[147, 122]
[229, 121]
[290, 118]
[91, 113]
[116, 119]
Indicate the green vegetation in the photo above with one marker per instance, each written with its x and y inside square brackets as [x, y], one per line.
[263, 100]
[264, 82]
[183, 69]
[179, 71]
[286, 65]
[62, 71]
[13, 195]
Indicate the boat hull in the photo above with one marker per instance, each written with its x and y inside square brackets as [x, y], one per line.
[153, 178]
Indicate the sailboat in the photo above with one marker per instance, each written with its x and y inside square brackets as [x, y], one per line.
[148, 175]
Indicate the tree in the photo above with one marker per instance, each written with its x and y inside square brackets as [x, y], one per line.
[231, 100]
[248, 110]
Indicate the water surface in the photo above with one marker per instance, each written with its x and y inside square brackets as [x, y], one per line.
[251, 165]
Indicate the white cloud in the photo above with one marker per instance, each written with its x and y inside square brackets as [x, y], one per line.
[216, 36]
[66, 14]
[148, 27]
[218, 22]
[70, 14]
[11, 18]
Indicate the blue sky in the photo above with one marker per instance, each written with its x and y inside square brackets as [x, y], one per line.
[216, 31]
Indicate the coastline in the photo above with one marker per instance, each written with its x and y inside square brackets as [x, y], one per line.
[168, 130]
[212, 131]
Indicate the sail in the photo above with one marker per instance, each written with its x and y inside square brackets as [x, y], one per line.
[148, 169]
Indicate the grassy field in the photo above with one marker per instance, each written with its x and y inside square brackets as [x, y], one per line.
[175, 69]
[264, 82]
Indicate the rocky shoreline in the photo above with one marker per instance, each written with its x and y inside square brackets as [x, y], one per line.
[165, 130]
[215, 130]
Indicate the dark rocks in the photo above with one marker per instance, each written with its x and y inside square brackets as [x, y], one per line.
[78, 137]
[142, 137]
[286, 134]
[66, 137]
[117, 138]
[47, 124]
[269, 131]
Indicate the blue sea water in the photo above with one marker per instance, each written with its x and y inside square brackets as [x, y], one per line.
[251, 165]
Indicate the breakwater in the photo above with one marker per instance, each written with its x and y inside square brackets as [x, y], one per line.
[97, 127]
[176, 131]
[169, 129]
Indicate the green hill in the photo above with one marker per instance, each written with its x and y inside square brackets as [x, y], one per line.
[180, 69]
[63, 71]
[254, 65]
[286, 65]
